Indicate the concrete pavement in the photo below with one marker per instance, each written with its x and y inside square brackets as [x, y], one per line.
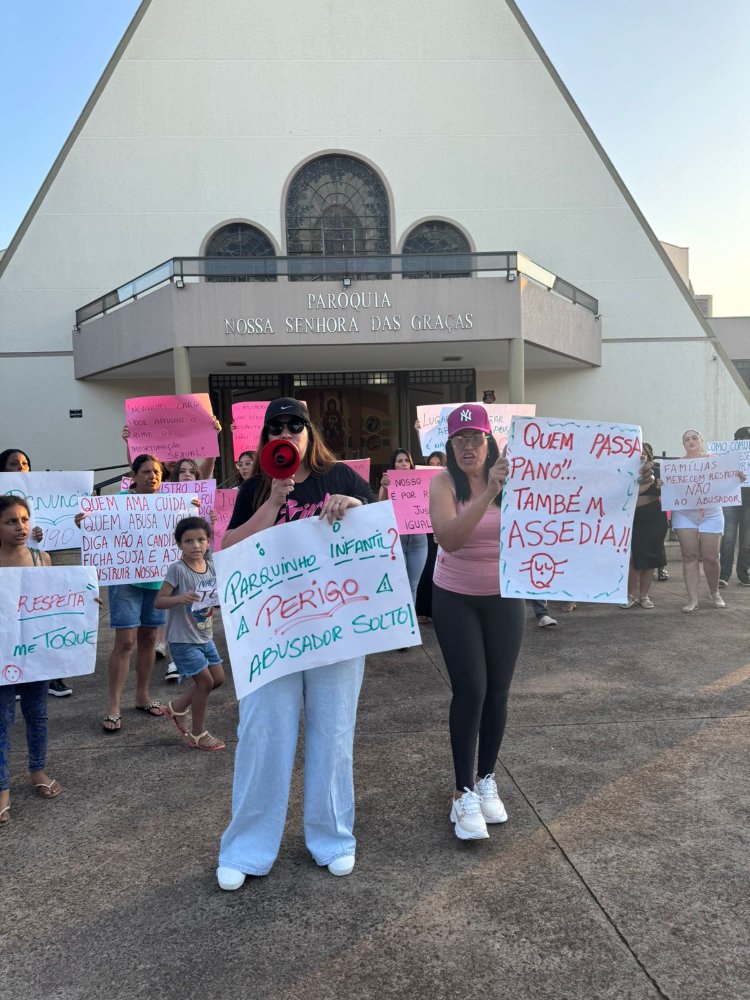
[622, 873]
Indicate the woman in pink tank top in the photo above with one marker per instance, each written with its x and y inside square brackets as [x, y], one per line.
[479, 631]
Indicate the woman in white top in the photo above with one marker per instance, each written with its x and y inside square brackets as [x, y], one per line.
[699, 534]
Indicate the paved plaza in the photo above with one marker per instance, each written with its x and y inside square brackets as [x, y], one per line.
[622, 873]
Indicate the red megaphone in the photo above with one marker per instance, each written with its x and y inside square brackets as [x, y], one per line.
[279, 459]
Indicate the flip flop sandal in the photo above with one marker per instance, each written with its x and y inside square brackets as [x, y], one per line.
[149, 709]
[4, 817]
[194, 742]
[48, 791]
[168, 712]
[116, 721]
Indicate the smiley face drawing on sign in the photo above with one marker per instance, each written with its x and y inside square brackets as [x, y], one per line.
[12, 674]
[542, 569]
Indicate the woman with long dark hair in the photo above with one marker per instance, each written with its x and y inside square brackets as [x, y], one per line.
[269, 718]
[647, 551]
[479, 632]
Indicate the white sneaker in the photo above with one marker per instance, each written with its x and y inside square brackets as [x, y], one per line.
[171, 674]
[342, 866]
[161, 650]
[229, 879]
[491, 804]
[545, 621]
[466, 813]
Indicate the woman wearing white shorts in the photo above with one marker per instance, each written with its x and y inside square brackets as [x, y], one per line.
[699, 533]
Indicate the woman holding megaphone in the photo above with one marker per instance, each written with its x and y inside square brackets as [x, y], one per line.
[294, 476]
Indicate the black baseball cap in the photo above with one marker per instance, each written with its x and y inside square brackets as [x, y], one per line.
[287, 407]
[742, 434]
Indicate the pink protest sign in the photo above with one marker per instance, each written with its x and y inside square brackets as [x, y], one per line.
[247, 422]
[361, 466]
[223, 507]
[171, 427]
[410, 492]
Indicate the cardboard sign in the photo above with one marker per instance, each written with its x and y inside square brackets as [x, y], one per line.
[409, 490]
[697, 483]
[741, 451]
[171, 427]
[53, 498]
[567, 509]
[223, 508]
[360, 465]
[247, 419]
[433, 431]
[130, 539]
[204, 489]
[304, 594]
[48, 623]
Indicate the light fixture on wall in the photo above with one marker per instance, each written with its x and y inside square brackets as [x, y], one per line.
[511, 275]
[179, 281]
[346, 281]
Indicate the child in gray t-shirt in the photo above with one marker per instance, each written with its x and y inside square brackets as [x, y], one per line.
[188, 594]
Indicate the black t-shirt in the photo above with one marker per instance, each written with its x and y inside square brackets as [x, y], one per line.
[306, 499]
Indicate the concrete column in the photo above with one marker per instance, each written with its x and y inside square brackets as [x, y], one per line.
[516, 377]
[183, 382]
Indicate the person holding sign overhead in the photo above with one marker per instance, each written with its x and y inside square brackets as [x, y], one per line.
[479, 632]
[269, 717]
[699, 533]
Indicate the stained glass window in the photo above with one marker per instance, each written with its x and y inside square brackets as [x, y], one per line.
[436, 237]
[239, 239]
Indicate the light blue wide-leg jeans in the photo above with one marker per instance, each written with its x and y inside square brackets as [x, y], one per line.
[414, 548]
[264, 759]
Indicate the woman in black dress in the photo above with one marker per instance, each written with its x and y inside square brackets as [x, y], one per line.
[647, 548]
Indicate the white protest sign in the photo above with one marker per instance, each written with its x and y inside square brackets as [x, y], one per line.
[208, 597]
[433, 420]
[130, 538]
[409, 489]
[53, 498]
[567, 509]
[740, 449]
[204, 489]
[697, 483]
[48, 623]
[304, 594]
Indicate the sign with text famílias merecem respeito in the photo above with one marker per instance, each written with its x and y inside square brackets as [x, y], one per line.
[308, 593]
[567, 509]
[48, 622]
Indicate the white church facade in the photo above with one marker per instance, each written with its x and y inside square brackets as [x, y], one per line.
[362, 206]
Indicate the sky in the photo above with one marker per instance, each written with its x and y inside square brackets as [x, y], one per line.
[663, 83]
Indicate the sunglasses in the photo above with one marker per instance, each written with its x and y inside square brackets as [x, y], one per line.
[295, 425]
[468, 440]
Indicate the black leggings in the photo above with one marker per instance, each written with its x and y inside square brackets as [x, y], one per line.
[480, 639]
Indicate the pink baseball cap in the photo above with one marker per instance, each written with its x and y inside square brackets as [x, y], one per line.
[468, 417]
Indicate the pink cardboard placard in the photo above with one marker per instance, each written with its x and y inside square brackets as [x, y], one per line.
[361, 466]
[223, 507]
[410, 492]
[247, 419]
[171, 427]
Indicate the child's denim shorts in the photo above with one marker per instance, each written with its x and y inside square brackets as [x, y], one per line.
[132, 607]
[192, 657]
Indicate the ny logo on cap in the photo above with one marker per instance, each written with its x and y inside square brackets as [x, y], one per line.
[465, 415]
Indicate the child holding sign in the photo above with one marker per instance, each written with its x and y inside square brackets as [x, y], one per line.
[15, 527]
[186, 596]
